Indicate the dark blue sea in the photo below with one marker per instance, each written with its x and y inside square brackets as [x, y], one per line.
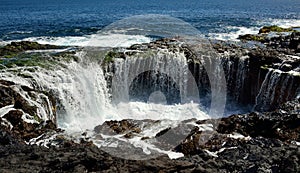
[69, 21]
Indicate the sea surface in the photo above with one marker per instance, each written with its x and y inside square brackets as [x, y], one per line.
[69, 22]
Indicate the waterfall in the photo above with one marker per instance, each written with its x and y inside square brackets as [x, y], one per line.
[83, 94]
[79, 87]
[162, 71]
[277, 87]
[28, 89]
[241, 75]
[237, 71]
[84, 97]
[156, 83]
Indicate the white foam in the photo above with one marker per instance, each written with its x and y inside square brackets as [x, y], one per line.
[141, 110]
[203, 127]
[215, 154]
[97, 40]
[138, 143]
[116, 40]
[294, 73]
[20, 32]
[28, 118]
[4, 110]
[238, 136]
[233, 35]
[296, 143]
[151, 131]
[285, 23]
[236, 31]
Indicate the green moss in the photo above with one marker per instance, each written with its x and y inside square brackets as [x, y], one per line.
[65, 56]
[37, 118]
[36, 59]
[109, 57]
[22, 46]
[251, 37]
[10, 55]
[274, 28]
[264, 67]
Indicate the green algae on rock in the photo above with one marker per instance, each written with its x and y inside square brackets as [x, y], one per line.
[274, 28]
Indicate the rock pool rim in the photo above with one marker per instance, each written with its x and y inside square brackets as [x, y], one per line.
[186, 33]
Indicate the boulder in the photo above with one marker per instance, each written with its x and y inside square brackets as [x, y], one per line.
[127, 127]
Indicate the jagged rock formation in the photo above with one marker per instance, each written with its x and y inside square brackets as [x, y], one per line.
[26, 113]
[241, 143]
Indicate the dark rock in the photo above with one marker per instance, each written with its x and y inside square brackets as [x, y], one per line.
[17, 47]
[7, 94]
[14, 117]
[251, 37]
[118, 127]
[21, 103]
[162, 132]
[7, 139]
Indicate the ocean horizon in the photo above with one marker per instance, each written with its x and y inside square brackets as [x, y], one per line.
[74, 22]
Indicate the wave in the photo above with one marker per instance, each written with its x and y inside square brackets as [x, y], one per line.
[110, 37]
[97, 40]
[233, 32]
[285, 23]
[20, 32]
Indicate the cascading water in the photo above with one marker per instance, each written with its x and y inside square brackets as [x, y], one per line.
[79, 87]
[142, 79]
[277, 87]
[134, 69]
[236, 69]
[82, 93]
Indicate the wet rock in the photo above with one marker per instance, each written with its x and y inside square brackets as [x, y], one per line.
[272, 125]
[220, 151]
[25, 130]
[286, 67]
[21, 103]
[274, 28]
[270, 129]
[118, 127]
[28, 101]
[251, 37]
[7, 139]
[17, 47]
[14, 117]
[7, 94]
[162, 132]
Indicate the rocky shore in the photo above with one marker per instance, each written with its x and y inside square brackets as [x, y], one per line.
[265, 78]
[255, 142]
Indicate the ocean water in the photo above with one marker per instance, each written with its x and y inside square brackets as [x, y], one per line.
[69, 22]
